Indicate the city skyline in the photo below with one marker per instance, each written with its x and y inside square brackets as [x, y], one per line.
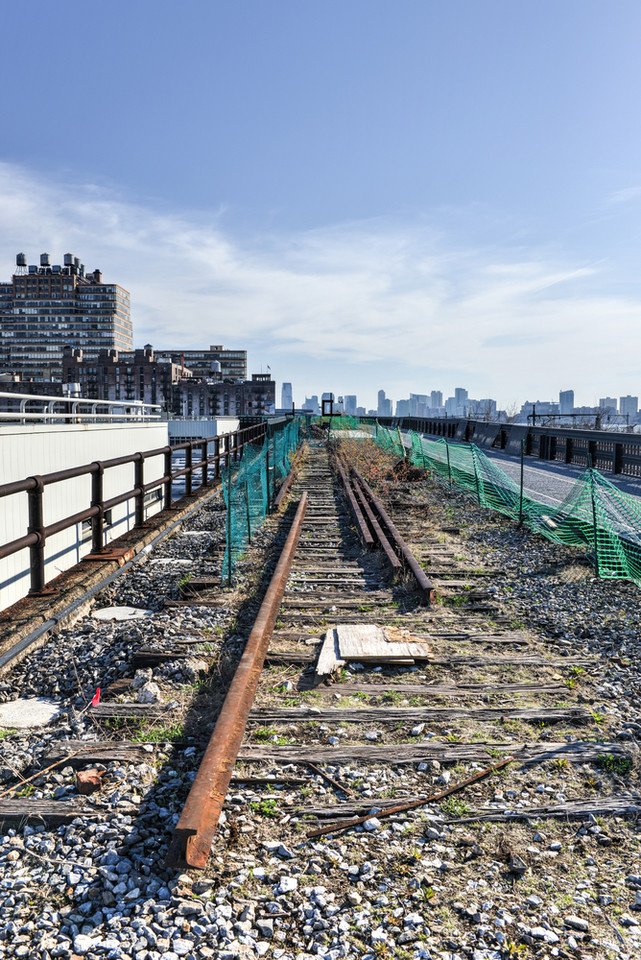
[439, 398]
[405, 200]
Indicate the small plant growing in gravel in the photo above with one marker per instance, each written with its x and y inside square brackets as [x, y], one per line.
[26, 791]
[263, 734]
[598, 717]
[266, 808]
[157, 734]
[610, 764]
[454, 807]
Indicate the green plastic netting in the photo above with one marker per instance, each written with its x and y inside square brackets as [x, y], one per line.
[250, 484]
[595, 513]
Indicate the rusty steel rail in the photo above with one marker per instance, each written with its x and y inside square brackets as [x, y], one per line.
[375, 527]
[196, 827]
[402, 549]
[365, 535]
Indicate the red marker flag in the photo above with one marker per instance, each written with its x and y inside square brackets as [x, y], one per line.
[96, 698]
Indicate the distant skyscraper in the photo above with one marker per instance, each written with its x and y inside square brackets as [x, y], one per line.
[436, 398]
[286, 397]
[608, 403]
[566, 401]
[350, 405]
[629, 406]
[460, 396]
[384, 405]
[418, 402]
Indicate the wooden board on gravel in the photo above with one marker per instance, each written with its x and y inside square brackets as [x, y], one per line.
[329, 656]
[578, 751]
[99, 751]
[416, 714]
[366, 642]
[575, 809]
[51, 812]
[428, 690]
[306, 657]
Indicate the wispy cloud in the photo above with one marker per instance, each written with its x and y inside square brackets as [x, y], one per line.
[625, 195]
[403, 306]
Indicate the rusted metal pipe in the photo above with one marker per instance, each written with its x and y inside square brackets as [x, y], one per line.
[196, 827]
[411, 804]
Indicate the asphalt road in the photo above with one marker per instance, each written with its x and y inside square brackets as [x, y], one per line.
[551, 482]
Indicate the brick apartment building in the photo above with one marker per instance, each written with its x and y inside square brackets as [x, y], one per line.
[47, 307]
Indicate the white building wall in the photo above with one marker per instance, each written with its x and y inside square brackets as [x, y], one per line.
[181, 430]
[35, 449]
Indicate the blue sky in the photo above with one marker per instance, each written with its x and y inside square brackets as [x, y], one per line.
[366, 194]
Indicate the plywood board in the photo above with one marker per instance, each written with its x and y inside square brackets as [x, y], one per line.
[329, 656]
[369, 642]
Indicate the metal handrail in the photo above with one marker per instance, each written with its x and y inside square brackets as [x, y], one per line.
[76, 407]
[228, 447]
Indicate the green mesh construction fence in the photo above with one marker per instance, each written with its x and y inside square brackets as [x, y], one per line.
[250, 484]
[595, 512]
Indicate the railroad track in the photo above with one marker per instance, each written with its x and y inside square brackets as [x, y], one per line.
[395, 698]
[384, 728]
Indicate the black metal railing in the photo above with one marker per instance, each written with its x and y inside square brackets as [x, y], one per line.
[607, 450]
[228, 448]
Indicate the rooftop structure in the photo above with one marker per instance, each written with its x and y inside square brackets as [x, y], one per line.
[230, 364]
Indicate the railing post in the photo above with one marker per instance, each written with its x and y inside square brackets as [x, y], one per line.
[568, 449]
[139, 484]
[203, 475]
[595, 525]
[449, 465]
[217, 460]
[188, 462]
[36, 525]
[617, 465]
[521, 484]
[249, 519]
[97, 497]
[169, 467]
[229, 524]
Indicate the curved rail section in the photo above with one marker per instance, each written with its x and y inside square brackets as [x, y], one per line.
[196, 827]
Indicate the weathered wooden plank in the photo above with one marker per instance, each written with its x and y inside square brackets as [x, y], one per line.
[148, 657]
[141, 711]
[100, 751]
[305, 657]
[429, 690]
[329, 656]
[369, 642]
[575, 809]
[364, 714]
[51, 812]
[403, 753]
